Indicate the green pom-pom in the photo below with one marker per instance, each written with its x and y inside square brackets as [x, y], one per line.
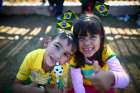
[60, 83]
[64, 25]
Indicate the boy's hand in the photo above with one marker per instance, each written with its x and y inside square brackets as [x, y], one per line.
[55, 89]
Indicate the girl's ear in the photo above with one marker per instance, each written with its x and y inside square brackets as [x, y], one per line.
[46, 40]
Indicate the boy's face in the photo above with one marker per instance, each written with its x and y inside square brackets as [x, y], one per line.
[58, 50]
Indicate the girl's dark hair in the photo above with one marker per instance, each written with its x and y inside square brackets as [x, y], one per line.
[88, 24]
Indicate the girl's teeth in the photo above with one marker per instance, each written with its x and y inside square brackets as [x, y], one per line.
[88, 49]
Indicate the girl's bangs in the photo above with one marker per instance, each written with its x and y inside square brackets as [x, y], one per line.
[91, 29]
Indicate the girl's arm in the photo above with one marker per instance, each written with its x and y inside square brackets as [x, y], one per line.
[121, 77]
[77, 80]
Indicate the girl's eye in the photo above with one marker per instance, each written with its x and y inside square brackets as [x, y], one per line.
[81, 38]
[92, 37]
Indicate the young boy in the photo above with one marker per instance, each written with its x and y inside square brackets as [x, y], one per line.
[38, 66]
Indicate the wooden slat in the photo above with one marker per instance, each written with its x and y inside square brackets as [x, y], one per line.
[107, 30]
[135, 32]
[35, 31]
[4, 29]
[113, 30]
[3, 42]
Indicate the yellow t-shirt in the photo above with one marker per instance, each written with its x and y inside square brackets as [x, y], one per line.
[87, 70]
[32, 67]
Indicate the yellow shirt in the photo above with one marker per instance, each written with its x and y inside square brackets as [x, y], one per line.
[32, 67]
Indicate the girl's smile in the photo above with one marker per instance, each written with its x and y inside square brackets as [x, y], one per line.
[89, 45]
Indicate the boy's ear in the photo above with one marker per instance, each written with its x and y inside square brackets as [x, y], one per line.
[46, 40]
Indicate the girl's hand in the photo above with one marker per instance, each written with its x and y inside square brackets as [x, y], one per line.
[97, 66]
[103, 81]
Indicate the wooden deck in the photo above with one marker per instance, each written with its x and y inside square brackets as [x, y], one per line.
[21, 34]
[25, 7]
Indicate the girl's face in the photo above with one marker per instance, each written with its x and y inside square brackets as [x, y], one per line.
[58, 50]
[89, 45]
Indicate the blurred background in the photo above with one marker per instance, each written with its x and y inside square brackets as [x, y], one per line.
[24, 23]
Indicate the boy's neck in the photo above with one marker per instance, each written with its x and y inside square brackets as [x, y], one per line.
[45, 67]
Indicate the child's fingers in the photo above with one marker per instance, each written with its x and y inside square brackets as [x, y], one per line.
[97, 66]
[99, 85]
[33, 84]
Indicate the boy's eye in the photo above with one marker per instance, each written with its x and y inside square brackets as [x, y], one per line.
[57, 46]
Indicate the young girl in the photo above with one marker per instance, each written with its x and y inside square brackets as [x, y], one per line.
[95, 67]
[46, 68]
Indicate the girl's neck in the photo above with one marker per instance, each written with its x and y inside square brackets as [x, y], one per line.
[89, 61]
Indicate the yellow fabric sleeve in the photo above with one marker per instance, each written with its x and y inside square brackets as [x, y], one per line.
[24, 69]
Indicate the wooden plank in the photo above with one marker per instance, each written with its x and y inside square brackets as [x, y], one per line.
[108, 34]
[19, 43]
[113, 30]
[25, 31]
[5, 29]
[3, 42]
[10, 46]
[127, 31]
[35, 31]
[120, 31]
[1, 27]
[12, 30]
[18, 49]
[134, 31]
[48, 29]
[107, 30]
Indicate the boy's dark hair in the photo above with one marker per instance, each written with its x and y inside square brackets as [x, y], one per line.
[62, 35]
[88, 24]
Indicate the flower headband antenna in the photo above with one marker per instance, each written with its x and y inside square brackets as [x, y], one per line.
[63, 25]
[66, 22]
[101, 8]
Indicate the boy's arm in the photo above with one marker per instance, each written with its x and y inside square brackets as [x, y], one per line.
[19, 87]
[22, 75]
[121, 76]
